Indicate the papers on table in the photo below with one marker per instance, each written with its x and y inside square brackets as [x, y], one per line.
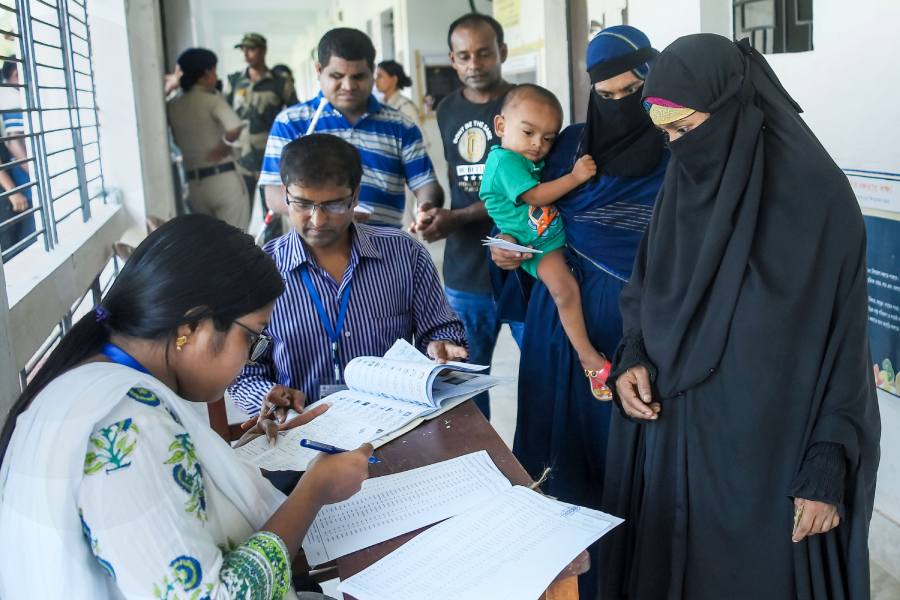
[510, 547]
[496, 242]
[351, 419]
[392, 505]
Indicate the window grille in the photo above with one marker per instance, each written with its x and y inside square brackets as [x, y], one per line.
[49, 140]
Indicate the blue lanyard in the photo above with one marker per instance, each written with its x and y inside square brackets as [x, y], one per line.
[117, 355]
[334, 332]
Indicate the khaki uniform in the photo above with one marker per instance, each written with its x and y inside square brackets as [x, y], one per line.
[199, 119]
[257, 103]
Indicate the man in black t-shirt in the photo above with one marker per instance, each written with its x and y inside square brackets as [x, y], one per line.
[466, 121]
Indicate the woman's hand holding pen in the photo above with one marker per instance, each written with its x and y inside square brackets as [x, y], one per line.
[335, 477]
[273, 413]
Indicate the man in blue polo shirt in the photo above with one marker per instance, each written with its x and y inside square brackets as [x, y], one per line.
[390, 145]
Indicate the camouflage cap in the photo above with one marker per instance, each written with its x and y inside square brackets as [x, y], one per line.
[252, 40]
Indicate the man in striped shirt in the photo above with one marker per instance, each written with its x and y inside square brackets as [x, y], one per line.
[389, 143]
[351, 289]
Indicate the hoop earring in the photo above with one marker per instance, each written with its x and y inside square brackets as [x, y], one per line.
[180, 342]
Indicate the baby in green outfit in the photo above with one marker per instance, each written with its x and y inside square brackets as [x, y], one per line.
[522, 208]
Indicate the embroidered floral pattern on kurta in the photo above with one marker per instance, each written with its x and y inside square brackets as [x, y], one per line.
[165, 531]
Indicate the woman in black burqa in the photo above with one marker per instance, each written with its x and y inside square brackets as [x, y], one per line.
[746, 395]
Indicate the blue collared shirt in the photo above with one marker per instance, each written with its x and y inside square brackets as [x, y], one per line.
[390, 146]
[395, 293]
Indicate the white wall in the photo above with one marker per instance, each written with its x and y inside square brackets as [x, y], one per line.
[127, 45]
[538, 38]
[291, 29]
[180, 24]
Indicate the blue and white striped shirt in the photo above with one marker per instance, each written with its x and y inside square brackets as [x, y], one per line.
[395, 293]
[389, 143]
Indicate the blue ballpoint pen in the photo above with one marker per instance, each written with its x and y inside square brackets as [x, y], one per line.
[329, 449]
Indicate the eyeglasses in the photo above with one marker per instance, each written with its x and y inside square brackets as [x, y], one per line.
[341, 206]
[259, 343]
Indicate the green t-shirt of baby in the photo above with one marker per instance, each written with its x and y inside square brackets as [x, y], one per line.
[508, 175]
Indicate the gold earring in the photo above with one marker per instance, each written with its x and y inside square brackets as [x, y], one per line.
[180, 341]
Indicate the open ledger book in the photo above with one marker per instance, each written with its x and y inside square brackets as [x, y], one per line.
[387, 397]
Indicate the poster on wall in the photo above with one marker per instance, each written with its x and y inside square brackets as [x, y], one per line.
[883, 254]
[876, 190]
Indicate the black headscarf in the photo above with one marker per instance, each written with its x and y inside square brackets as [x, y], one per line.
[620, 137]
[705, 224]
[194, 63]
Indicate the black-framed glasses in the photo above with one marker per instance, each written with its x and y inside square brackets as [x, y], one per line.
[341, 206]
[259, 343]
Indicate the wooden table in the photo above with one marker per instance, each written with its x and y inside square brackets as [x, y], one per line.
[459, 431]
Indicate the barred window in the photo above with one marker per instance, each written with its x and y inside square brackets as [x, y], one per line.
[49, 139]
[774, 26]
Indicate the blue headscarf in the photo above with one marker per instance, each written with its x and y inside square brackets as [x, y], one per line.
[618, 134]
[618, 49]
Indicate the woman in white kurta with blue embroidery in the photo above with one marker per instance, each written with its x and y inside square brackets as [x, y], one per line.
[112, 484]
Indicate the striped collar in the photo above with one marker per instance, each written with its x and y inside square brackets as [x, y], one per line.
[294, 253]
[373, 106]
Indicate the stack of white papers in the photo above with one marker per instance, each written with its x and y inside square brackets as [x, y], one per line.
[510, 547]
[392, 505]
[496, 242]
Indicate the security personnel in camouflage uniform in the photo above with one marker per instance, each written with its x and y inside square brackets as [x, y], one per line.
[257, 96]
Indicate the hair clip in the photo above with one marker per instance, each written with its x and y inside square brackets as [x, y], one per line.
[101, 314]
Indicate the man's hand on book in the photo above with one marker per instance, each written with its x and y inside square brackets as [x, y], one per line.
[442, 351]
[273, 414]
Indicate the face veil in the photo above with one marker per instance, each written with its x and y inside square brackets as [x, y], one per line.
[618, 134]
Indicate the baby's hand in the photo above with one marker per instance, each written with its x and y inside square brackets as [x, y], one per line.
[585, 168]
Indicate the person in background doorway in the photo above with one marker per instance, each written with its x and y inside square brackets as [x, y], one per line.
[205, 128]
[389, 80]
[390, 145]
[466, 121]
[257, 94]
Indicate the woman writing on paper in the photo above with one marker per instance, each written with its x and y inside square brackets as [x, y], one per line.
[110, 479]
[745, 358]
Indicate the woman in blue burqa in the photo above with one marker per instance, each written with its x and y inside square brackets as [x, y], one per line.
[560, 424]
